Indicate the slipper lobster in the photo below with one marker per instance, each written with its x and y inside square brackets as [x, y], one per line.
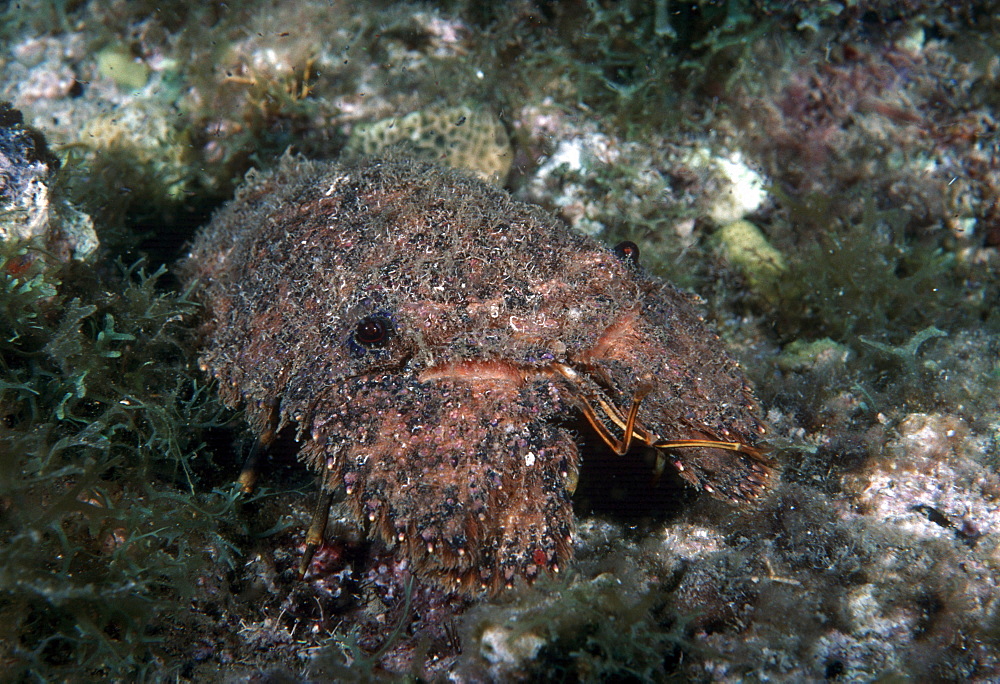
[426, 335]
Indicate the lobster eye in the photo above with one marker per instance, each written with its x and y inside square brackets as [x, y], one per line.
[372, 331]
[627, 251]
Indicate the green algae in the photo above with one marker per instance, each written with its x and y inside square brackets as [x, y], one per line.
[906, 354]
[746, 248]
[865, 276]
[117, 64]
[800, 355]
[107, 514]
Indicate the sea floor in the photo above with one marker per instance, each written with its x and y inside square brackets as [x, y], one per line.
[826, 176]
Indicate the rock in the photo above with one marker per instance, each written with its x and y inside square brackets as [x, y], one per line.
[29, 212]
[747, 249]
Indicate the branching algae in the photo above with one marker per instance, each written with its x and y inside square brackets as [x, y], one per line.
[101, 528]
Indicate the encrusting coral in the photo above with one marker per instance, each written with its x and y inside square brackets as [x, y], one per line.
[460, 137]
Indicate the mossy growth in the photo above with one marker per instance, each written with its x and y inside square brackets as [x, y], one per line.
[37, 16]
[137, 175]
[636, 63]
[603, 628]
[874, 313]
[107, 513]
[867, 276]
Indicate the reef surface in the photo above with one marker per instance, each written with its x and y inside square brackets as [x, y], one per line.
[825, 175]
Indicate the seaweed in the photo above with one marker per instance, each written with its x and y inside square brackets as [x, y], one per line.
[594, 629]
[906, 354]
[637, 62]
[864, 275]
[101, 419]
[38, 16]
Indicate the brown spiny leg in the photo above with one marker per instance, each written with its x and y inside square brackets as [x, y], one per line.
[248, 476]
[661, 461]
[708, 443]
[314, 536]
[629, 424]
